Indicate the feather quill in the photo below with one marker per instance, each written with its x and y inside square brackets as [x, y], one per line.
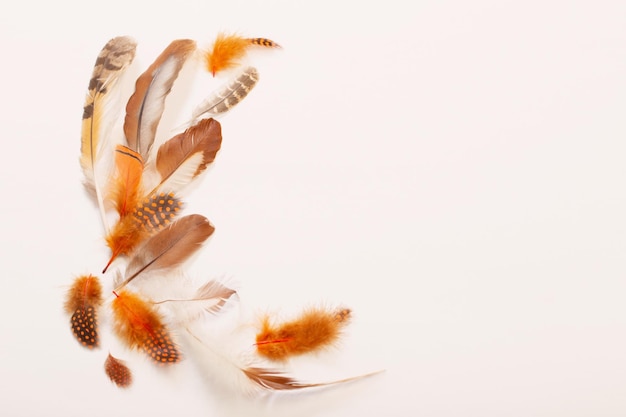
[229, 95]
[170, 247]
[139, 326]
[113, 59]
[185, 156]
[145, 107]
[82, 302]
[228, 49]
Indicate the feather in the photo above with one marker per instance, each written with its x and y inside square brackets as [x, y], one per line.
[170, 247]
[258, 377]
[229, 95]
[145, 107]
[113, 59]
[212, 296]
[127, 186]
[313, 330]
[118, 372]
[185, 156]
[82, 302]
[228, 49]
[140, 327]
[277, 381]
[149, 216]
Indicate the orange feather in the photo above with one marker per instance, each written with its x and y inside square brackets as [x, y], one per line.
[314, 330]
[228, 49]
[118, 372]
[140, 327]
[82, 301]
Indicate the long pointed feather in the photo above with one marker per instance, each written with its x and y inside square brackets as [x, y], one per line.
[145, 107]
[186, 155]
[170, 247]
[113, 59]
[127, 186]
[229, 95]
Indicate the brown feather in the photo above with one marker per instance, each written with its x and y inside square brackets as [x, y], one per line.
[171, 246]
[118, 372]
[82, 302]
[145, 107]
[229, 95]
[173, 161]
[277, 381]
[114, 57]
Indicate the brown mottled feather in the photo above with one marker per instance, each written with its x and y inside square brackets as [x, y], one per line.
[229, 95]
[82, 302]
[118, 372]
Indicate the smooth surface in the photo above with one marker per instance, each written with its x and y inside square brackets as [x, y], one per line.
[453, 171]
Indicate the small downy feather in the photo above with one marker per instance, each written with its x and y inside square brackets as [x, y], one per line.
[228, 49]
[185, 156]
[145, 107]
[140, 327]
[170, 247]
[118, 372]
[313, 330]
[111, 63]
[229, 95]
[82, 302]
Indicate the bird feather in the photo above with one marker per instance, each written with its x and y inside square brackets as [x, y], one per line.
[111, 63]
[229, 95]
[169, 247]
[145, 107]
[185, 156]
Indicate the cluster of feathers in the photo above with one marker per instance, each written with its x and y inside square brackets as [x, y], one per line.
[139, 189]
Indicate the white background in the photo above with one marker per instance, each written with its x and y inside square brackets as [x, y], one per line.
[453, 171]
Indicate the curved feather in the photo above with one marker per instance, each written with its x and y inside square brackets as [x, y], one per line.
[113, 59]
[145, 107]
[169, 247]
[186, 155]
[229, 95]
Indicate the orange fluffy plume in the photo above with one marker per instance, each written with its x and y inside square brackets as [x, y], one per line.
[140, 327]
[228, 49]
[118, 372]
[314, 330]
[82, 301]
